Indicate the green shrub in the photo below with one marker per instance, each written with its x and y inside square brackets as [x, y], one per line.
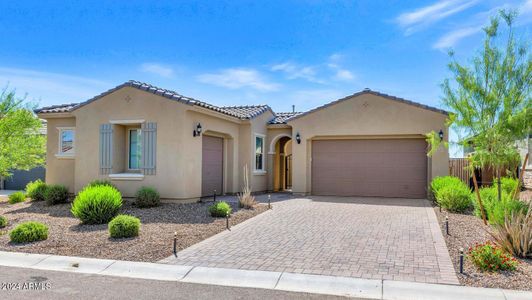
[488, 257]
[220, 209]
[3, 222]
[56, 194]
[17, 197]
[124, 226]
[29, 232]
[97, 204]
[100, 182]
[455, 198]
[509, 184]
[440, 182]
[147, 197]
[496, 210]
[35, 190]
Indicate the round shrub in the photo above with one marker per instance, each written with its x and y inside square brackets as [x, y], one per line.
[29, 232]
[454, 198]
[3, 222]
[56, 194]
[124, 226]
[35, 190]
[97, 204]
[147, 197]
[220, 209]
[100, 182]
[17, 198]
[438, 183]
[509, 184]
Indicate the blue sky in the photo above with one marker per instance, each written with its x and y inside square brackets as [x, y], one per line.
[283, 53]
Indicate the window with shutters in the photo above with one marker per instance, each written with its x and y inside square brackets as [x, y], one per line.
[134, 148]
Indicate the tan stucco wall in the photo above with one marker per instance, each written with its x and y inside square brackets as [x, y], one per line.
[59, 170]
[365, 116]
[259, 180]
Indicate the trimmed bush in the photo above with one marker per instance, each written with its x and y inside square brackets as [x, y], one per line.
[56, 194]
[100, 182]
[440, 182]
[147, 197]
[456, 197]
[496, 210]
[35, 190]
[29, 232]
[17, 198]
[124, 226]
[488, 257]
[3, 222]
[97, 204]
[220, 209]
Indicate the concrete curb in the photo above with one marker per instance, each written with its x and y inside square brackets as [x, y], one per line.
[317, 284]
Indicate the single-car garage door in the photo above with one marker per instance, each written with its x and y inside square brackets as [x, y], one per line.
[377, 167]
[212, 165]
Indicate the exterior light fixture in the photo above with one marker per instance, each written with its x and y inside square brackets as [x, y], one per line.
[441, 135]
[197, 130]
[298, 138]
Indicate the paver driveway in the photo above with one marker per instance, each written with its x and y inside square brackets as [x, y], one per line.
[377, 238]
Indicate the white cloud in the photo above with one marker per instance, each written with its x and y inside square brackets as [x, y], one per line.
[340, 73]
[453, 37]
[51, 88]
[423, 16]
[344, 75]
[158, 69]
[294, 71]
[236, 78]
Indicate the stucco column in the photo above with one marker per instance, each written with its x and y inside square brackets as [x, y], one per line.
[269, 167]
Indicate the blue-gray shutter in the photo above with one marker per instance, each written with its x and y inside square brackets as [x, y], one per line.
[106, 148]
[149, 147]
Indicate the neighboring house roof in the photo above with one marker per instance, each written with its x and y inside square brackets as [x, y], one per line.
[280, 118]
[240, 112]
[368, 91]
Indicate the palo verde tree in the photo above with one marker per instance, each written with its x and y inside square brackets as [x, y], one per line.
[22, 147]
[489, 99]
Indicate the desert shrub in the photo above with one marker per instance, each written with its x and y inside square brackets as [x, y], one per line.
[440, 182]
[489, 257]
[3, 222]
[35, 190]
[29, 232]
[97, 204]
[456, 197]
[17, 197]
[515, 234]
[124, 226]
[100, 182]
[496, 210]
[220, 209]
[147, 197]
[56, 194]
[509, 184]
[246, 199]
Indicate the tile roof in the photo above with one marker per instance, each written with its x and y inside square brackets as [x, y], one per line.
[368, 91]
[280, 118]
[240, 112]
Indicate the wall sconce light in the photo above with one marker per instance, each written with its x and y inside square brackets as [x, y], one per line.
[441, 135]
[298, 138]
[197, 130]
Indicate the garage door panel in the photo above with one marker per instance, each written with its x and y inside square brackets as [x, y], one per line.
[385, 168]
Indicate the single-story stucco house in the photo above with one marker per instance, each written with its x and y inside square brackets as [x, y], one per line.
[136, 134]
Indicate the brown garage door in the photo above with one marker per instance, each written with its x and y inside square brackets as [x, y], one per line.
[212, 165]
[383, 168]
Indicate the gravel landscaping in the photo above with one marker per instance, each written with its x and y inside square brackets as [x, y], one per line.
[155, 241]
[464, 231]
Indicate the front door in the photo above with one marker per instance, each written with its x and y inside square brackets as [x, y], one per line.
[212, 166]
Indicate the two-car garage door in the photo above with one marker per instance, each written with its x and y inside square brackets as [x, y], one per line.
[372, 167]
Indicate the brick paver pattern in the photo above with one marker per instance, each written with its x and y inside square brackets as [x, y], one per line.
[378, 238]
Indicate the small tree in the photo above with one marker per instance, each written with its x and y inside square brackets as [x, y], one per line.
[489, 99]
[22, 147]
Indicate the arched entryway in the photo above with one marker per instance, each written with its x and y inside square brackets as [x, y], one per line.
[282, 166]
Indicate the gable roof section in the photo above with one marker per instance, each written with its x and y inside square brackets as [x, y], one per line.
[240, 112]
[368, 91]
[280, 118]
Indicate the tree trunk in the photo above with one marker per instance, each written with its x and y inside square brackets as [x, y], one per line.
[499, 196]
[478, 198]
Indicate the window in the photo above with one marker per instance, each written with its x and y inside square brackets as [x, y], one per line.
[66, 141]
[259, 153]
[135, 149]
